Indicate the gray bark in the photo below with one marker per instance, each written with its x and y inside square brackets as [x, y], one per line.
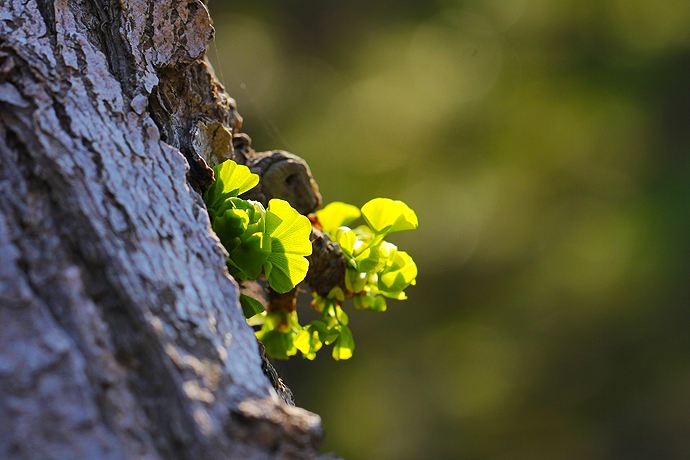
[120, 331]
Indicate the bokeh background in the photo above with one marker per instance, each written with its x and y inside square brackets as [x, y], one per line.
[545, 147]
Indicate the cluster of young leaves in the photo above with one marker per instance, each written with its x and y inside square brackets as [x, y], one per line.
[283, 335]
[273, 241]
[376, 269]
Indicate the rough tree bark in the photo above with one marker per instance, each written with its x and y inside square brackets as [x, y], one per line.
[120, 331]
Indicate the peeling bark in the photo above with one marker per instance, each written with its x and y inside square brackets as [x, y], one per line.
[121, 332]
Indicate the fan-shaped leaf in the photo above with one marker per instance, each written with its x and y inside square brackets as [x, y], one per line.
[231, 180]
[289, 231]
[335, 215]
[384, 216]
[401, 272]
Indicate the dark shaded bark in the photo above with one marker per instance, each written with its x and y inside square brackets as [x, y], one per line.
[121, 332]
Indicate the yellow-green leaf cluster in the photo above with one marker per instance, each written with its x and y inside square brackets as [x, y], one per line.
[275, 241]
[376, 269]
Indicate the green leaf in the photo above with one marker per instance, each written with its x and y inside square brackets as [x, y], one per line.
[280, 321]
[257, 320]
[302, 341]
[364, 235]
[346, 238]
[336, 214]
[384, 216]
[371, 260]
[308, 342]
[341, 316]
[344, 345]
[397, 295]
[250, 306]
[354, 280]
[336, 293]
[401, 272]
[229, 226]
[279, 345]
[286, 266]
[254, 209]
[278, 334]
[231, 180]
[326, 335]
[371, 302]
[235, 179]
[247, 259]
[387, 250]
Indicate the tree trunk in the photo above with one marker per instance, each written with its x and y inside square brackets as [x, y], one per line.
[120, 331]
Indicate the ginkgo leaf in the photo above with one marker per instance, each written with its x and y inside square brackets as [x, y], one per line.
[289, 231]
[344, 345]
[276, 241]
[229, 226]
[236, 179]
[308, 342]
[399, 274]
[232, 180]
[354, 280]
[278, 345]
[373, 302]
[250, 306]
[284, 223]
[336, 214]
[346, 239]
[371, 260]
[247, 259]
[384, 216]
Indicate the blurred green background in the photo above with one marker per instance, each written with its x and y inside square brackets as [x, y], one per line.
[546, 149]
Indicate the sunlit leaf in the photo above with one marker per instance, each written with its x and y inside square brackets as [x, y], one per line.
[278, 345]
[371, 260]
[336, 214]
[341, 316]
[286, 266]
[254, 209]
[276, 241]
[371, 302]
[344, 345]
[401, 273]
[327, 334]
[337, 294]
[346, 239]
[230, 226]
[364, 233]
[397, 295]
[384, 216]
[307, 341]
[354, 280]
[387, 250]
[234, 178]
[302, 341]
[257, 320]
[231, 180]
